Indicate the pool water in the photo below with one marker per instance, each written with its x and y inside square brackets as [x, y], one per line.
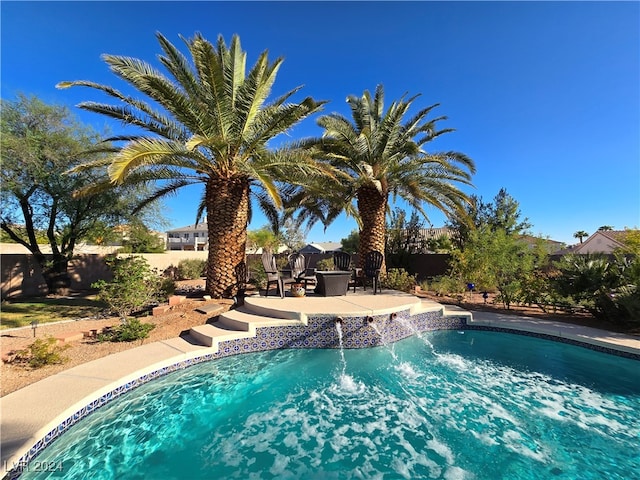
[447, 404]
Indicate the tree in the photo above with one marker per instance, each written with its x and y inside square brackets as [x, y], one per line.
[39, 144]
[580, 234]
[501, 214]
[605, 228]
[263, 238]
[351, 243]
[630, 242]
[212, 128]
[378, 154]
[292, 236]
[494, 259]
[404, 236]
[142, 240]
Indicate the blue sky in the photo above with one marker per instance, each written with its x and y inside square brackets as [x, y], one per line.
[544, 96]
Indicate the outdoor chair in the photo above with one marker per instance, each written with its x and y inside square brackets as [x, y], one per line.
[372, 265]
[242, 278]
[273, 275]
[299, 270]
[342, 261]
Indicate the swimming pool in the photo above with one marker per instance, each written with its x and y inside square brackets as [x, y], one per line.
[445, 404]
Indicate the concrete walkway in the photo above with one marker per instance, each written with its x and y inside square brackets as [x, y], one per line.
[32, 412]
[578, 333]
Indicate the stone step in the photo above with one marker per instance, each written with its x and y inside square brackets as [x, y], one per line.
[246, 320]
[211, 309]
[276, 311]
[210, 335]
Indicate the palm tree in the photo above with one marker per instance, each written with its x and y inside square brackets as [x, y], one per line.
[580, 234]
[212, 127]
[380, 154]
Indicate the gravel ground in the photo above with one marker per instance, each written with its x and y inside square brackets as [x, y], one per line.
[178, 319]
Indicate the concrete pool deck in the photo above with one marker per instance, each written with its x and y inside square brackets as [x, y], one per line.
[31, 413]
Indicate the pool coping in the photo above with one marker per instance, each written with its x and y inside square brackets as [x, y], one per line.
[32, 415]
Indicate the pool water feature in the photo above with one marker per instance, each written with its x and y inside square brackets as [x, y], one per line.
[488, 406]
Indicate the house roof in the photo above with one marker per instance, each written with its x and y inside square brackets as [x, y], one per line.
[602, 241]
[322, 247]
[200, 227]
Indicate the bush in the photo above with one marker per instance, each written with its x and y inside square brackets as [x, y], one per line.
[325, 264]
[399, 279]
[257, 275]
[134, 286]
[607, 288]
[166, 289]
[444, 285]
[41, 352]
[191, 269]
[130, 330]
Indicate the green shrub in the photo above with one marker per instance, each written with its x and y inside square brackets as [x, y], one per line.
[166, 289]
[134, 286]
[131, 329]
[399, 279]
[325, 264]
[41, 352]
[445, 285]
[191, 269]
[257, 275]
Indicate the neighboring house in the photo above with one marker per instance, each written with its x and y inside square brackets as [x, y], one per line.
[321, 247]
[191, 237]
[551, 246]
[429, 233]
[603, 241]
[196, 237]
[259, 250]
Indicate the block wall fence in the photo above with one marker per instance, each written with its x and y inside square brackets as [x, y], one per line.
[20, 275]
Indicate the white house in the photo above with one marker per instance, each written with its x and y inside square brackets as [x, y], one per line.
[603, 241]
[196, 237]
[190, 237]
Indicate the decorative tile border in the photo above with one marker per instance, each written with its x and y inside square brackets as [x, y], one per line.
[320, 332]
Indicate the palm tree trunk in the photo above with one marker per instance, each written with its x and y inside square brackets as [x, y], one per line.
[227, 217]
[372, 206]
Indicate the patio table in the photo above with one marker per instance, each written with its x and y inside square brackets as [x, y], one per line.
[332, 283]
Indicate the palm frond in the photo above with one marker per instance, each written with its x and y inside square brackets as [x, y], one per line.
[144, 152]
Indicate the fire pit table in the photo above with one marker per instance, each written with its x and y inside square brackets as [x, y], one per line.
[332, 283]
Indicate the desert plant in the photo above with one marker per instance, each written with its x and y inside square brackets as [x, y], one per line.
[445, 285]
[134, 286]
[167, 288]
[41, 352]
[399, 279]
[191, 269]
[257, 275]
[130, 330]
[606, 287]
[325, 264]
